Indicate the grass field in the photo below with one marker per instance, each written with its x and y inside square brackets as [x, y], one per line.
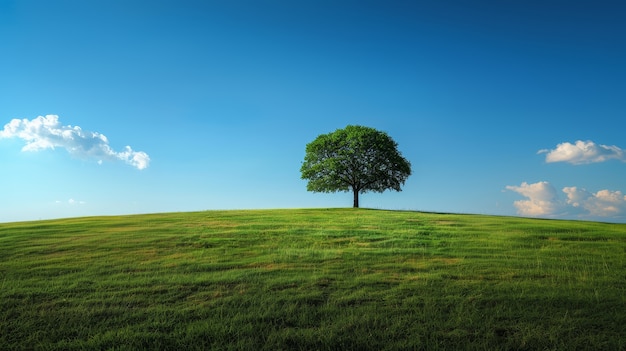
[314, 279]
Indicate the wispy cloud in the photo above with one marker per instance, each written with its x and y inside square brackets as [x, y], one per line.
[48, 133]
[71, 202]
[583, 152]
[543, 201]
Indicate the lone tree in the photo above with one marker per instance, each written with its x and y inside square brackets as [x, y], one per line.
[355, 158]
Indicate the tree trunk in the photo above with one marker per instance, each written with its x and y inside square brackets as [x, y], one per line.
[356, 198]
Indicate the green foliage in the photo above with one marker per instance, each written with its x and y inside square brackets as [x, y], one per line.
[355, 158]
[312, 280]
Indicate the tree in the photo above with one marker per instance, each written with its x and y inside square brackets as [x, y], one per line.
[355, 158]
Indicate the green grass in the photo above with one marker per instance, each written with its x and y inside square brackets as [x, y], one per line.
[314, 279]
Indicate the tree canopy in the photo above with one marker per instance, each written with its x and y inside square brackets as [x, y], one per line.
[355, 158]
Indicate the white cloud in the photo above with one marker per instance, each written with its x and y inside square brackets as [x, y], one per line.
[583, 152]
[604, 203]
[48, 133]
[542, 200]
[139, 159]
[70, 202]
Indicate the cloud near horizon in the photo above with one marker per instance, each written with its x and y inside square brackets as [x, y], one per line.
[543, 201]
[604, 203]
[583, 152]
[48, 133]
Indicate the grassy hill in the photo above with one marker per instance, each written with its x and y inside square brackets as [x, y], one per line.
[314, 279]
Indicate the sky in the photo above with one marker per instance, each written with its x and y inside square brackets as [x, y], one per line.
[120, 107]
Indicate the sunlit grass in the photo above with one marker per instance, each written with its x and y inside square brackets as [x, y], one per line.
[312, 279]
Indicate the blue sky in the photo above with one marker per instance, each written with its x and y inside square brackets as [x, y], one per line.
[119, 107]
